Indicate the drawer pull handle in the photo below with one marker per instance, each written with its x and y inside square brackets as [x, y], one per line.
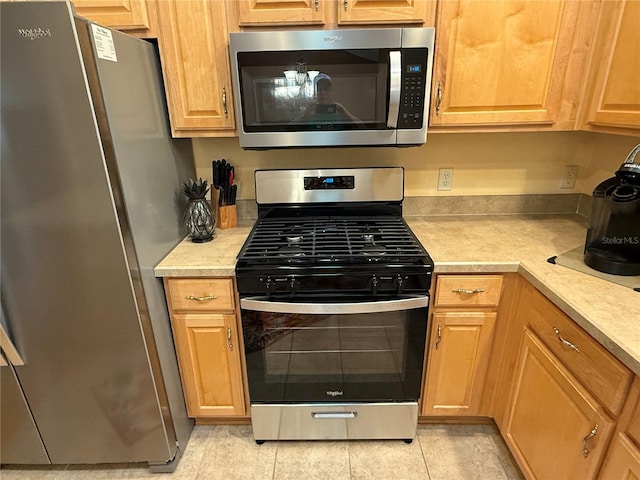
[439, 336]
[467, 290]
[323, 415]
[585, 440]
[229, 341]
[201, 299]
[566, 343]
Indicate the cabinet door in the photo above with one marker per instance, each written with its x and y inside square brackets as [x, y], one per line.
[209, 359]
[555, 429]
[119, 14]
[458, 358]
[281, 12]
[501, 62]
[351, 12]
[623, 461]
[616, 67]
[193, 48]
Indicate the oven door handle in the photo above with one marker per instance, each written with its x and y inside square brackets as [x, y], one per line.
[334, 308]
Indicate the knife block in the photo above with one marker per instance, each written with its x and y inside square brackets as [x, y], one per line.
[227, 215]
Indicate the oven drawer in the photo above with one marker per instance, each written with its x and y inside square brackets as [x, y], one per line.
[340, 421]
[468, 290]
[200, 294]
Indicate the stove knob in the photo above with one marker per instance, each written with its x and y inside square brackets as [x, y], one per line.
[293, 286]
[268, 285]
[399, 283]
[374, 284]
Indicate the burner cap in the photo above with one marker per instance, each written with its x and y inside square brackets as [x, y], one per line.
[291, 251]
[374, 250]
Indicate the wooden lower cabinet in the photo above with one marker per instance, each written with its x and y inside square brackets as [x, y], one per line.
[460, 345]
[555, 428]
[208, 345]
[623, 460]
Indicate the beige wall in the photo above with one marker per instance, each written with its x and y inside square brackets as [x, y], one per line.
[483, 163]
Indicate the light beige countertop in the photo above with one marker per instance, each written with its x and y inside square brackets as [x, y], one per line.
[478, 243]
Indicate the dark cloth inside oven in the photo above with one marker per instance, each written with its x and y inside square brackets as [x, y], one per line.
[257, 337]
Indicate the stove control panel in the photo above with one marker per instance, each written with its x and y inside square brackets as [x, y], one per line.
[335, 284]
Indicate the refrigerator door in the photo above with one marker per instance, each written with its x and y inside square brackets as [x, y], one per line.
[147, 170]
[19, 437]
[67, 287]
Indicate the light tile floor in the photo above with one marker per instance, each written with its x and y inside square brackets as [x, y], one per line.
[439, 452]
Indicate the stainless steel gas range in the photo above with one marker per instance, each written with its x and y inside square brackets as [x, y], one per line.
[334, 293]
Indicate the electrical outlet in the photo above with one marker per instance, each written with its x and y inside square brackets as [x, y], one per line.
[569, 176]
[445, 178]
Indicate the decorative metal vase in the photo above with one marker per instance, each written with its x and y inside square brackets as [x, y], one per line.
[198, 217]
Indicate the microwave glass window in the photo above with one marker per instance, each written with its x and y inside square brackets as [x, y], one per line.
[338, 90]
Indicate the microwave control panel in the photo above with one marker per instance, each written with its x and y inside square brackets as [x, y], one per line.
[412, 102]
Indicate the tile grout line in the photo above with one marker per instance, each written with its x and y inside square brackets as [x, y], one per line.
[424, 459]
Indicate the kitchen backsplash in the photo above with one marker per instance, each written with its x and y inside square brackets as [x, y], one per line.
[523, 165]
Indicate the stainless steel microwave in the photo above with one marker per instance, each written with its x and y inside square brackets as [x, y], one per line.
[321, 88]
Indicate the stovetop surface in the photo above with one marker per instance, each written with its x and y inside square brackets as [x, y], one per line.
[332, 240]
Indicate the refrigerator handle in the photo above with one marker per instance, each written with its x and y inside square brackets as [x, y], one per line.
[8, 348]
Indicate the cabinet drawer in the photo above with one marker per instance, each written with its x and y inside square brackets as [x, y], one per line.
[463, 290]
[598, 370]
[200, 294]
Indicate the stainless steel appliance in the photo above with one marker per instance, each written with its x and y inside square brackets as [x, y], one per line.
[334, 294]
[318, 88]
[91, 201]
[613, 237]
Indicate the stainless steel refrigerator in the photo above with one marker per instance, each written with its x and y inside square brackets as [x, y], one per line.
[91, 201]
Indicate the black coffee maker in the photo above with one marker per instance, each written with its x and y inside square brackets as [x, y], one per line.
[613, 237]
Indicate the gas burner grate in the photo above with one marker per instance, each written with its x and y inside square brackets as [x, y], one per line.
[332, 240]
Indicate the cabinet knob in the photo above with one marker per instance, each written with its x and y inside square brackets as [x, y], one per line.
[201, 299]
[467, 291]
[566, 343]
[585, 440]
[229, 341]
[224, 102]
[439, 98]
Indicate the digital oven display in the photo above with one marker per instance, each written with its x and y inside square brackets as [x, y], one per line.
[414, 68]
[341, 182]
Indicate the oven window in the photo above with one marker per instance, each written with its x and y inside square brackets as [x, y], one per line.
[354, 357]
[293, 91]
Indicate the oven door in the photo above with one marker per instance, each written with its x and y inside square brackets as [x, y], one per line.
[334, 352]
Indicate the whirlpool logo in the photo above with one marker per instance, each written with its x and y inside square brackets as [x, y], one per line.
[34, 33]
[334, 393]
[621, 240]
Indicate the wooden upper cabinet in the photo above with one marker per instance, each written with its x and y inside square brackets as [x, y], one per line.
[281, 12]
[615, 68]
[353, 12]
[501, 62]
[131, 16]
[332, 13]
[193, 48]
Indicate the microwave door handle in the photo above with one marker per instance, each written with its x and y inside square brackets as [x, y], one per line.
[395, 84]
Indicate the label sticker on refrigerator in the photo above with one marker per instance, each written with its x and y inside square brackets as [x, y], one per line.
[103, 40]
